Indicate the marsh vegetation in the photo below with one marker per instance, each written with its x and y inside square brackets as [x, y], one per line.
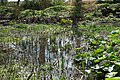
[59, 41]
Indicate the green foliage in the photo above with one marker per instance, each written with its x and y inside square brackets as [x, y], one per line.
[60, 11]
[58, 2]
[35, 5]
[21, 26]
[115, 78]
[78, 8]
[103, 54]
[49, 15]
[58, 8]
[65, 22]
[29, 13]
[6, 12]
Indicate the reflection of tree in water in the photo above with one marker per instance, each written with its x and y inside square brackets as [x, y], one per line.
[42, 43]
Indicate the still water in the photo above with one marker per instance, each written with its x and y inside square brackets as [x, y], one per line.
[45, 58]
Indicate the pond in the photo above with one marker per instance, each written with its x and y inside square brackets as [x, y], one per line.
[39, 56]
[60, 54]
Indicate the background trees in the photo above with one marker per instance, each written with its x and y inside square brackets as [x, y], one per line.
[3, 2]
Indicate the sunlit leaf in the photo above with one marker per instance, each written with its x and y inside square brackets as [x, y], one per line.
[114, 78]
[100, 59]
[98, 50]
[103, 42]
[115, 32]
[111, 68]
[111, 74]
[94, 42]
[118, 63]
[88, 71]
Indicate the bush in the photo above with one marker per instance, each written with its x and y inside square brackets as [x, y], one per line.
[21, 26]
[29, 13]
[31, 5]
[58, 11]
[6, 12]
[51, 14]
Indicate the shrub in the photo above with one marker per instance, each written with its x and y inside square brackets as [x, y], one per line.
[21, 26]
[31, 5]
[6, 11]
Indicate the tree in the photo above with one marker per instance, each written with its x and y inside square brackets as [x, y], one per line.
[3, 2]
[18, 2]
[77, 12]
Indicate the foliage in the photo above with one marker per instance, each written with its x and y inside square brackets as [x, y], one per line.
[115, 78]
[97, 50]
[48, 15]
[60, 11]
[35, 5]
[102, 54]
[6, 12]
[22, 26]
[29, 13]
[49, 12]
[65, 22]
[97, 11]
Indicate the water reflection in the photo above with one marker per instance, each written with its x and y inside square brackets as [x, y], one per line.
[57, 51]
[50, 57]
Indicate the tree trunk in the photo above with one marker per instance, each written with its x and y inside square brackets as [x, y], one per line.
[43, 44]
[77, 12]
[74, 23]
[18, 2]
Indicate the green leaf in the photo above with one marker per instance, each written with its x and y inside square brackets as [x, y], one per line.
[113, 57]
[110, 49]
[96, 67]
[100, 59]
[77, 57]
[53, 78]
[94, 42]
[98, 50]
[118, 63]
[114, 78]
[112, 74]
[68, 46]
[111, 68]
[103, 42]
[116, 41]
[115, 32]
[88, 71]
